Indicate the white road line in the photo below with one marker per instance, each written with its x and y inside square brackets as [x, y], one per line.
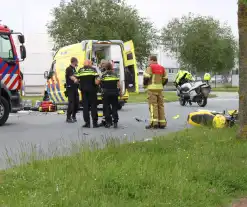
[224, 99]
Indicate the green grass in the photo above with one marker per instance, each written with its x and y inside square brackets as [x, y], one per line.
[133, 98]
[226, 89]
[192, 168]
[142, 97]
[170, 96]
[32, 98]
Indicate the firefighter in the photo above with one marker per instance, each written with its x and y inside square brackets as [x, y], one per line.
[155, 78]
[89, 81]
[110, 85]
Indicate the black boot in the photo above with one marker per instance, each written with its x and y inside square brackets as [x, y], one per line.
[96, 125]
[86, 125]
[69, 120]
[74, 119]
[152, 126]
[107, 125]
[115, 125]
[162, 127]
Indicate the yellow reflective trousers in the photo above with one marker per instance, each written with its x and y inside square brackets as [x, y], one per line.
[156, 107]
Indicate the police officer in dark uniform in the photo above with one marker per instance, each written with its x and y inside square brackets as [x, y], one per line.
[89, 81]
[72, 90]
[110, 85]
[102, 68]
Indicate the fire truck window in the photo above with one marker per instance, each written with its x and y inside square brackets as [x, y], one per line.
[130, 56]
[6, 51]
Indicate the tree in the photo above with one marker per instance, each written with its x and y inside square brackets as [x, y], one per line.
[242, 28]
[200, 43]
[103, 20]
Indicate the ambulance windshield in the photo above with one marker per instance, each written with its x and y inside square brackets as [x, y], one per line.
[6, 51]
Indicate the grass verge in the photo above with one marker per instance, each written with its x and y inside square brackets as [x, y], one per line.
[32, 98]
[169, 96]
[226, 89]
[194, 168]
[133, 98]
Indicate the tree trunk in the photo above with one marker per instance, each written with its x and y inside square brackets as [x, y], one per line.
[242, 26]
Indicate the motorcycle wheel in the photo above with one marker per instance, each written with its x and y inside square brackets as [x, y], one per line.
[203, 102]
[182, 101]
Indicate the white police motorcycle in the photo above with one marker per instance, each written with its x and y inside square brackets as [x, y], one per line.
[190, 91]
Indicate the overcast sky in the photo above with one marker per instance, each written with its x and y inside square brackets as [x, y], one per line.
[35, 13]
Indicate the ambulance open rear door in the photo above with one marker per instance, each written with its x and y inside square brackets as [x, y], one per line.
[89, 50]
[131, 71]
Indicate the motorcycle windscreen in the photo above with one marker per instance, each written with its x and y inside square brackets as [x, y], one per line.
[130, 65]
[200, 118]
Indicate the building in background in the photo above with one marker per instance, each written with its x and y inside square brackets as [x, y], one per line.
[39, 58]
[169, 62]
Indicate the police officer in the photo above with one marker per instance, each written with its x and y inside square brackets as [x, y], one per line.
[102, 68]
[72, 90]
[155, 78]
[111, 90]
[89, 81]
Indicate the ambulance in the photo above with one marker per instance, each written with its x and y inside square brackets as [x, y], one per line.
[122, 55]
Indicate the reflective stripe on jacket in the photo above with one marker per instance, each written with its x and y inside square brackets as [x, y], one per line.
[155, 76]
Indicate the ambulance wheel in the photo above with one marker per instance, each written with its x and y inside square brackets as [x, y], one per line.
[203, 102]
[182, 101]
[4, 110]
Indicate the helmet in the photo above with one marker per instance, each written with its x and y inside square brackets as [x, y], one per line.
[219, 121]
[207, 77]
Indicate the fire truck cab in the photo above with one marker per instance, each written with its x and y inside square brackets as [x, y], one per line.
[10, 74]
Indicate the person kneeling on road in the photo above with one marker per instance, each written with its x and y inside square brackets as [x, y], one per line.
[111, 89]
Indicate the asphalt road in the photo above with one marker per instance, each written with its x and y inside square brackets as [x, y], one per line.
[49, 132]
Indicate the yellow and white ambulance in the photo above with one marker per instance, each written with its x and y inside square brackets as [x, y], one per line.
[122, 54]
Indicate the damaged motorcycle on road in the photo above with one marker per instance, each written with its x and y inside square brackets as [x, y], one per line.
[190, 91]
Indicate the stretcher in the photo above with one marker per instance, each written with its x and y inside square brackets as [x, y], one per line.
[213, 119]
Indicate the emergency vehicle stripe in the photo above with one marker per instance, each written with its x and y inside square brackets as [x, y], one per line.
[16, 84]
[59, 92]
[49, 91]
[58, 87]
[14, 71]
[9, 74]
[9, 81]
[4, 78]
[3, 66]
[13, 83]
[6, 71]
[9, 78]
[53, 90]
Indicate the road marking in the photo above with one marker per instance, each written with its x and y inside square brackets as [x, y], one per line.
[224, 99]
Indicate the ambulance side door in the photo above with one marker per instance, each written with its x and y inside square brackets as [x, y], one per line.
[130, 65]
[89, 50]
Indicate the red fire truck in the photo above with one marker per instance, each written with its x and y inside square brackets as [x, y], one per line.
[10, 74]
